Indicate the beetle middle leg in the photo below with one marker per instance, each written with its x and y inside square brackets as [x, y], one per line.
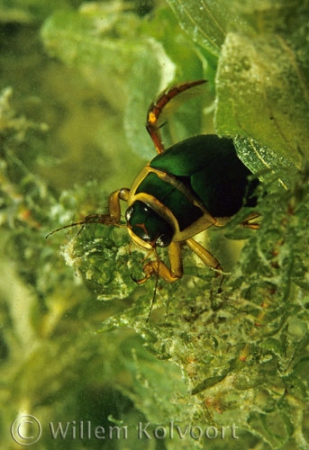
[203, 254]
[207, 259]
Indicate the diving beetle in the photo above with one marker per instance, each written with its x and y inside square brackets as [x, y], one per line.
[189, 187]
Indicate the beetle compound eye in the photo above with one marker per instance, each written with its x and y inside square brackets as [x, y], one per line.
[164, 240]
[128, 213]
[146, 224]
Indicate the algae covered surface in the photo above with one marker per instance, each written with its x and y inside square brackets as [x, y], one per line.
[218, 364]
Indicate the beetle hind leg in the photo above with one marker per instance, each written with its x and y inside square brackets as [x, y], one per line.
[155, 110]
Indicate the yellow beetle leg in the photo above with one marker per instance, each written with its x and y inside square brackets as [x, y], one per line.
[113, 216]
[204, 254]
[114, 203]
[175, 257]
[114, 211]
[160, 269]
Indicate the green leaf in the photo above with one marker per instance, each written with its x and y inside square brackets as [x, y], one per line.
[206, 22]
[77, 40]
[263, 78]
[263, 160]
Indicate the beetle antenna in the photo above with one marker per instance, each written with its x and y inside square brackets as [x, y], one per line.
[67, 226]
[104, 219]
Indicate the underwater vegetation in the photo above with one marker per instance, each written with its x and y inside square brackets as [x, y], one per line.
[216, 365]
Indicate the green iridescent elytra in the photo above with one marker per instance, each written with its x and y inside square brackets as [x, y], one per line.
[209, 169]
[212, 170]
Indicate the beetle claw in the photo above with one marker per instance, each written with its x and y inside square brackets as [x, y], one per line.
[141, 280]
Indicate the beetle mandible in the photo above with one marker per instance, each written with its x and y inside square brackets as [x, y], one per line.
[189, 187]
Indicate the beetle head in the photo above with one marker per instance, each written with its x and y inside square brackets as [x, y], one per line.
[147, 229]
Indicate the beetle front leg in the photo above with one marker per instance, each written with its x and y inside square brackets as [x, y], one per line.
[204, 254]
[113, 216]
[114, 203]
[160, 269]
[114, 210]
